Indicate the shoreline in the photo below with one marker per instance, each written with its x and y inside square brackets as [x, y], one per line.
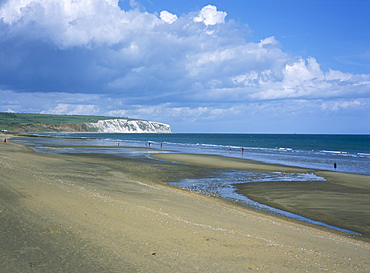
[341, 201]
[99, 213]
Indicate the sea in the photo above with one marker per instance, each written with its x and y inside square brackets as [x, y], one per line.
[349, 153]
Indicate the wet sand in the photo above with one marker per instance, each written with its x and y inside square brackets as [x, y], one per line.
[99, 213]
[342, 206]
[343, 200]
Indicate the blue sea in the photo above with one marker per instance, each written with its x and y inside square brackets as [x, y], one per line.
[351, 153]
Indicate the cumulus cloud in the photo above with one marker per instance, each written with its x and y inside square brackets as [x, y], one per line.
[69, 23]
[197, 66]
[168, 17]
[210, 16]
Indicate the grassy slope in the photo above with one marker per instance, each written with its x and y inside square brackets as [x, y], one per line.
[10, 121]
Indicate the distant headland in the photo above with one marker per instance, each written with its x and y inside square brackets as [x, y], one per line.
[36, 123]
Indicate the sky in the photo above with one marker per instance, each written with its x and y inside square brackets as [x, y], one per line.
[236, 66]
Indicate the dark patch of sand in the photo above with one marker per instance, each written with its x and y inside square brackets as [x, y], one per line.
[339, 205]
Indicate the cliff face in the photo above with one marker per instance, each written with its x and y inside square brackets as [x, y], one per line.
[128, 126]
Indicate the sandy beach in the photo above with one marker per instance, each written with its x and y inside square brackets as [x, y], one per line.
[102, 213]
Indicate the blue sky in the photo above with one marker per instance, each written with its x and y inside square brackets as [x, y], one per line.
[257, 66]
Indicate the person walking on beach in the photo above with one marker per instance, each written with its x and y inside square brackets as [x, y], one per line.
[335, 166]
[4, 140]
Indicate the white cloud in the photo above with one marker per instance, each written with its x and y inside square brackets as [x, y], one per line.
[168, 17]
[72, 109]
[302, 70]
[210, 16]
[75, 23]
[269, 42]
[342, 104]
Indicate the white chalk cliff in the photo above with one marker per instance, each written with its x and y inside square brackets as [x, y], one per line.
[128, 126]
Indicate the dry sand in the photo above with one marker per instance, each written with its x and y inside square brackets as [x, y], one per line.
[91, 213]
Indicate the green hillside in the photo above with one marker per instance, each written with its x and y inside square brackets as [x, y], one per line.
[13, 121]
